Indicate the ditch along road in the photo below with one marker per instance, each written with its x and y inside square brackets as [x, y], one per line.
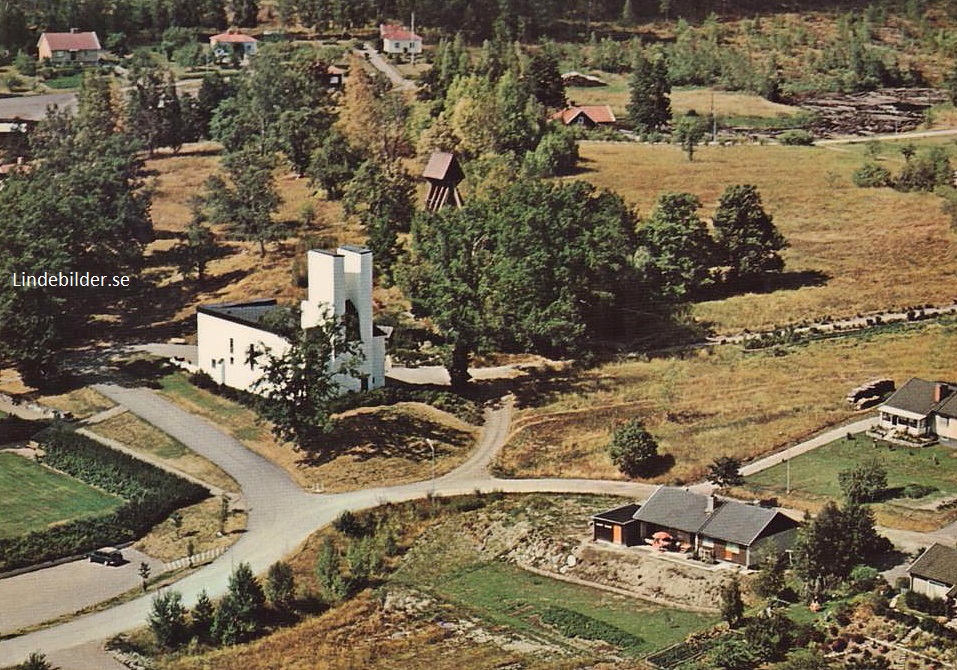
[281, 515]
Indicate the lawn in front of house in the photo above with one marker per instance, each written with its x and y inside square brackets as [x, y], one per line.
[814, 479]
[32, 497]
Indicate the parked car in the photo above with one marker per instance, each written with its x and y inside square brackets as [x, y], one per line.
[107, 556]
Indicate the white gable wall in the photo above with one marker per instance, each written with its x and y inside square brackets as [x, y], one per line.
[223, 346]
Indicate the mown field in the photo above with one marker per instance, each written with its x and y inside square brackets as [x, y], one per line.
[814, 479]
[852, 250]
[33, 497]
[713, 402]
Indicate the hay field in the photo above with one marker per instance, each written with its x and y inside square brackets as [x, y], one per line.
[877, 248]
[713, 402]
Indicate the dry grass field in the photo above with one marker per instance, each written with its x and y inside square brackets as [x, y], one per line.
[726, 103]
[873, 248]
[371, 446]
[82, 403]
[713, 402]
[240, 273]
[200, 527]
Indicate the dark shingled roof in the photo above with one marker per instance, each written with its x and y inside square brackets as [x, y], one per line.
[675, 508]
[739, 523]
[249, 313]
[938, 562]
[917, 396]
[622, 514]
[443, 166]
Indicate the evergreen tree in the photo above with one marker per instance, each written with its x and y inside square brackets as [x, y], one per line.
[201, 617]
[333, 164]
[545, 81]
[732, 606]
[725, 471]
[649, 108]
[237, 617]
[280, 586]
[167, 619]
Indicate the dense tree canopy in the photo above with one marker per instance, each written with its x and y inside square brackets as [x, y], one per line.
[747, 240]
[538, 267]
[81, 206]
[649, 107]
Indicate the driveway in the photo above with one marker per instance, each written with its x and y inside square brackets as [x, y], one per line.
[35, 597]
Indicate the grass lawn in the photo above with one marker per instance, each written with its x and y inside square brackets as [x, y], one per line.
[814, 477]
[141, 436]
[712, 403]
[852, 250]
[506, 595]
[33, 497]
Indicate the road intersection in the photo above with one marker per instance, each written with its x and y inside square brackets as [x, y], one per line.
[281, 515]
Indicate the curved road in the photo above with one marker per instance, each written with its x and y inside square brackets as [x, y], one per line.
[281, 515]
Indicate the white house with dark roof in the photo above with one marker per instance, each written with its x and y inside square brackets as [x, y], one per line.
[233, 44]
[921, 409]
[723, 529]
[934, 573]
[340, 286]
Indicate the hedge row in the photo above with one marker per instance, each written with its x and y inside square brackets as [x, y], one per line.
[151, 494]
[15, 429]
[574, 624]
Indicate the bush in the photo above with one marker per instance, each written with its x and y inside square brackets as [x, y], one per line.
[872, 175]
[926, 172]
[574, 624]
[633, 449]
[796, 137]
[923, 603]
[918, 490]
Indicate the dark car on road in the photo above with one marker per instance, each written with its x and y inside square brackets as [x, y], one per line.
[107, 556]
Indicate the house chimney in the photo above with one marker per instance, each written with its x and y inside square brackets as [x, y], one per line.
[74, 31]
[941, 391]
[709, 505]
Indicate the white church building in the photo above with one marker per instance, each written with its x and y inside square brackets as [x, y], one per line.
[340, 285]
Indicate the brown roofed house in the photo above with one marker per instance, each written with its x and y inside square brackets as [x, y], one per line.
[587, 116]
[73, 47]
[934, 573]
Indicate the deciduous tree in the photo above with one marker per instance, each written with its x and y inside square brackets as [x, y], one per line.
[299, 384]
[725, 471]
[746, 238]
[864, 482]
[649, 108]
[675, 251]
[633, 449]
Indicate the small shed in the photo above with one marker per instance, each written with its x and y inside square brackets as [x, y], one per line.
[617, 526]
[444, 175]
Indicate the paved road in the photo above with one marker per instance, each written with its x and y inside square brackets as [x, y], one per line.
[66, 588]
[34, 107]
[386, 68]
[281, 515]
[912, 135]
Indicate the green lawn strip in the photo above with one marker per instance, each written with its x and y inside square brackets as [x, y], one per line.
[177, 386]
[33, 497]
[506, 595]
[815, 472]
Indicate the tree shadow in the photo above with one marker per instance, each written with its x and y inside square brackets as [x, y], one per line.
[659, 465]
[387, 434]
[769, 283]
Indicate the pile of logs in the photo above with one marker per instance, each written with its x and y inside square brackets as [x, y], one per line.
[870, 394]
[884, 111]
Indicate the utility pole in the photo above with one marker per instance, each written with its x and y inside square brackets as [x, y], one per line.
[432, 449]
[787, 463]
